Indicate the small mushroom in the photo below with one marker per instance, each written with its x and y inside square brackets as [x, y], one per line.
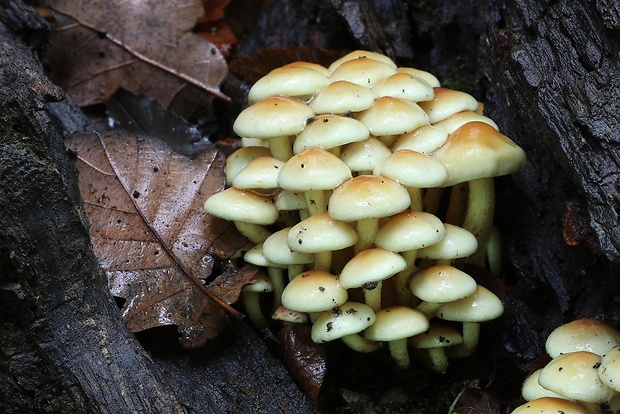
[291, 80]
[345, 322]
[406, 233]
[475, 153]
[609, 370]
[448, 102]
[321, 235]
[314, 291]
[482, 306]
[368, 269]
[394, 325]
[249, 211]
[440, 284]
[313, 171]
[575, 376]
[250, 296]
[550, 405]
[431, 345]
[276, 119]
[531, 388]
[365, 199]
[585, 334]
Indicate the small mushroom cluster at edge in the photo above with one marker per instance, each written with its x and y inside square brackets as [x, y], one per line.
[340, 186]
[583, 376]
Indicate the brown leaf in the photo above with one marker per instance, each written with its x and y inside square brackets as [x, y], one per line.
[145, 47]
[151, 234]
[306, 360]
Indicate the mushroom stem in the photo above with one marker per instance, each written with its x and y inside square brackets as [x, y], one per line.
[429, 309]
[366, 231]
[400, 353]
[276, 275]
[323, 260]
[359, 343]
[253, 232]
[471, 332]
[434, 358]
[281, 148]
[372, 296]
[416, 198]
[479, 215]
[316, 202]
[494, 250]
[251, 303]
[294, 270]
[405, 297]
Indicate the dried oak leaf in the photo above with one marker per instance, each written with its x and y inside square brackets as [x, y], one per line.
[144, 46]
[152, 236]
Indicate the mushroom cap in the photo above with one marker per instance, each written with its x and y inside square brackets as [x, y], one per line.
[362, 71]
[396, 322]
[286, 200]
[364, 155]
[367, 196]
[309, 65]
[283, 314]
[371, 265]
[365, 54]
[448, 102]
[422, 74]
[609, 371]
[455, 121]
[392, 116]
[260, 173]
[329, 131]
[586, 334]
[237, 161]
[313, 291]
[256, 257]
[412, 169]
[276, 250]
[313, 169]
[550, 405]
[482, 306]
[441, 284]
[477, 150]
[457, 242]
[531, 389]
[575, 376]
[404, 86]
[234, 204]
[425, 139]
[346, 319]
[260, 283]
[272, 117]
[340, 97]
[437, 336]
[291, 80]
[410, 230]
[320, 233]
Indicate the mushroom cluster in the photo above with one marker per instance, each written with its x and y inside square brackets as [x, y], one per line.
[341, 186]
[583, 376]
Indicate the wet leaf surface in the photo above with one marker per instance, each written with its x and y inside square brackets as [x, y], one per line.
[152, 236]
[142, 115]
[305, 359]
[146, 47]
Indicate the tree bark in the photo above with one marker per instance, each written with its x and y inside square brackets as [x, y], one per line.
[553, 71]
[64, 347]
